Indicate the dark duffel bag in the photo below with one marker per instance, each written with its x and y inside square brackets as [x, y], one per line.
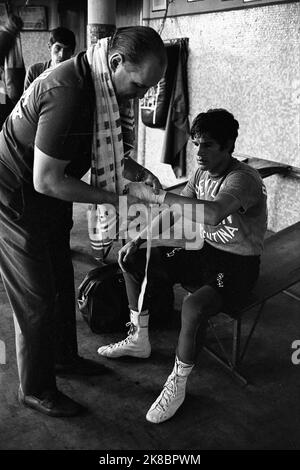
[103, 303]
[102, 299]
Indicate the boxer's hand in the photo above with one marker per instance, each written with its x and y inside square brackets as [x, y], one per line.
[145, 176]
[146, 193]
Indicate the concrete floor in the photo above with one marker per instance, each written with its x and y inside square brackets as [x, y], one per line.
[219, 413]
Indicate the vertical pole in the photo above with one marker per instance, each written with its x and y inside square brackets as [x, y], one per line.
[101, 19]
[236, 346]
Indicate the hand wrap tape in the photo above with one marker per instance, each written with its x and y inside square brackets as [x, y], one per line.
[145, 192]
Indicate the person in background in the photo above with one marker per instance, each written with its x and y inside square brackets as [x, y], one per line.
[61, 44]
[224, 270]
[69, 117]
[11, 79]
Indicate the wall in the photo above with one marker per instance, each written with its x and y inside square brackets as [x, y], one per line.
[35, 47]
[35, 43]
[128, 13]
[247, 61]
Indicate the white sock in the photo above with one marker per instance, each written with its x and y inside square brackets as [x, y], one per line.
[183, 368]
[139, 318]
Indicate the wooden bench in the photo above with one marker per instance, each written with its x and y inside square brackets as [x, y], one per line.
[280, 269]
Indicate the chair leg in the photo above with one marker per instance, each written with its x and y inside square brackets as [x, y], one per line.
[236, 342]
[290, 294]
[257, 317]
[225, 363]
[231, 365]
[238, 352]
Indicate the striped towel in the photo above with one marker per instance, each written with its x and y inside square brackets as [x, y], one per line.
[113, 139]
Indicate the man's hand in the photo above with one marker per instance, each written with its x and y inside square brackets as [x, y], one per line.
[125, 252]
[133, 171]
[151, 180]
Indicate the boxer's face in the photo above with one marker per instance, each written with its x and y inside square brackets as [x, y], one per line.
[210, 155]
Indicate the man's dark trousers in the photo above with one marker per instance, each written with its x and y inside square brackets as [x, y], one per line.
[37, 272]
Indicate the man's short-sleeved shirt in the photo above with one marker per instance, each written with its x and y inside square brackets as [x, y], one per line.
[34, 71]
[55, 113]
[242, 232]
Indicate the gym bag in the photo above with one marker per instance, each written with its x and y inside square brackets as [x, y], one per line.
[102, 299]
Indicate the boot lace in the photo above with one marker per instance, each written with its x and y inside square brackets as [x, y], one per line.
[168, 393]
[127, 340]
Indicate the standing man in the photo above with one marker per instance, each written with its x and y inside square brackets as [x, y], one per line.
[62, 45]
[68, 113]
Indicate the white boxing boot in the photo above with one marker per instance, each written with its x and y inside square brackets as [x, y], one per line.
[136, 344]
[172, 395]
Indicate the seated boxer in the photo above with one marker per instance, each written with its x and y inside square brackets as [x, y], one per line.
[233, 197]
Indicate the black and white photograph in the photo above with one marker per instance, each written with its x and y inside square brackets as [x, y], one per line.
[149, 231]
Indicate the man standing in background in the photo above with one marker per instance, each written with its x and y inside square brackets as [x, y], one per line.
[62, 45]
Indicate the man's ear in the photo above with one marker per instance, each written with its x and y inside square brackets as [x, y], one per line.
[115, 60]
[229, 145]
